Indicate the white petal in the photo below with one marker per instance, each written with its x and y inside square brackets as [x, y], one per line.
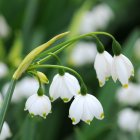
[32, 99]
[76, 109]
[97, 108]
[100, 67]
[5, 132]
[128, 65]
[54, 88]
[113, 70]
[122, 72]
[87, 115]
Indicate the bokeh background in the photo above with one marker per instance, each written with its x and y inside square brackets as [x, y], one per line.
[25, 24]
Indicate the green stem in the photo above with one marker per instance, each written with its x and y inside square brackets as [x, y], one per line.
[6, 102]
[62, 46]
[83, 86]
[60, 71]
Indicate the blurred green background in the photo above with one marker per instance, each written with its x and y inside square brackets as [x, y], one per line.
[33, 22]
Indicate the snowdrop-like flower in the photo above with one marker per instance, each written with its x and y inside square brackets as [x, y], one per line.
[85, 107]
[122, 69]
[129, 120]
[38, 105]
[129, 96]
[136, 49]
[64, 86]
[24, 88]
[4, 28]
[83, 53]
[97, 18]
[102, 65]
[3, 70]
[5, 132]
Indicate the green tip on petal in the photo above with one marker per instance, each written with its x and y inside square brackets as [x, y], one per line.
[125, 86]
[100, 84]
[88, 122]
[102, 115]
[65, 100]
[132, 73]
[32, 115]
[44, 115]
[73, 120]
[107, 78]
[51, 98]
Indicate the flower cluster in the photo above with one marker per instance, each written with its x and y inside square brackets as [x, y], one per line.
[84, 107]
[119, 67]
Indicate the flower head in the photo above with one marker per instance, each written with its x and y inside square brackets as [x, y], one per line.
[129, 96]
[5, 132]
[85, 107]
[122, 69]
[102, 66]
[38, 105]
[64, 86]
[125, 117]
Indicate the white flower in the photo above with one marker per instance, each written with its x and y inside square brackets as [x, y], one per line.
[136, 49]
[5, 132]
[97, 18]
[83, 53]
[85, 107]
[130, 95]
[64, 86]
[102, 65]
[24, 88]
[122, 69]
[38, 105]
[4, 29]
[3, 70]
[129, 120]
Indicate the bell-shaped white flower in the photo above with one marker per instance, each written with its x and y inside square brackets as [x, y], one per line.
[129, 120]
[38, 105]
[85, 107]
[130, 95]
[64, 86]
[83, 53]
[102, 65]
[122, 69]
[5, 132]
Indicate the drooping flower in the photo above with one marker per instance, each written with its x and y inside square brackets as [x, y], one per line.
[129, 96]
[24, 88]
[5, 132]
[64, 86]
[38, 105]
[83, 53]
[3, 70]
[126, 116]
[102, 65]
[85, 107]
[122, 69]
